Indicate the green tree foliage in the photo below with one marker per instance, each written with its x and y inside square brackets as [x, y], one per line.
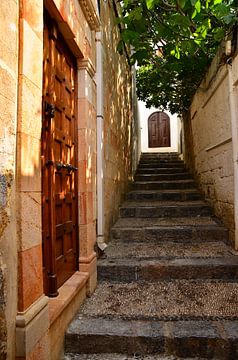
[173, 43]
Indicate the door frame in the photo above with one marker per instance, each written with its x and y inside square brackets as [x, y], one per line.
[169, 126]
[49, 272]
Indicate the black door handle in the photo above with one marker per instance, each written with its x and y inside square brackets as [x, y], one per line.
[49, 110]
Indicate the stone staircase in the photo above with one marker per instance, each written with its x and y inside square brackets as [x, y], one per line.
[168, 281]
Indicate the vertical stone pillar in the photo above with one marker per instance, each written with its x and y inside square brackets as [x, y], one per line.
[9, 15]
[100, 144]
[32, 321]
[233, 91]
[87, 170]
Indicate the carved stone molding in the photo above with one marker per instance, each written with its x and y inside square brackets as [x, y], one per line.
[90, 14]
[87, 65]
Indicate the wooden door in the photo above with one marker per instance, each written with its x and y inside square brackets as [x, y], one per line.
[159, 130]
[59, 171]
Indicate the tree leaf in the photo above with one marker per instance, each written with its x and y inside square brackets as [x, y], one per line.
[181, 3]
[194, 14]
[150, 4]
[198, 6]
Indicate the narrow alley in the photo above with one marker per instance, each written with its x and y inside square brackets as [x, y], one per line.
[168, 280]
[118, 180]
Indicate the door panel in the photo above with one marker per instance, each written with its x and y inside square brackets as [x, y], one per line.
[159, 130]
[59, 186]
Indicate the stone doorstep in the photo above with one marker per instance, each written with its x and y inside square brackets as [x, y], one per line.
[160, 210]
[125, 270]
[208, 339]
[66, 294]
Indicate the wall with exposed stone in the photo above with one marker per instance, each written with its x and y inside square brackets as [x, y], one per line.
[27, 316]
[32, 325]
[120, 150]
[208, 141]
[8, 123]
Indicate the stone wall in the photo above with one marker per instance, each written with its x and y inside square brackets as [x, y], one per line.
[31, 324]
[208, 142]
[118, 118]
[8, 121]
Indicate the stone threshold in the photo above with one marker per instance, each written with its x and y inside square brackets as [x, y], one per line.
[67, 293]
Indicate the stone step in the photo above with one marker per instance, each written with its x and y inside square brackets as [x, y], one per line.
[179, 318]
[161, 177]
[164, 195]
[155, 165]
[157, 170]
[151, 270]
[166, 250]
[141, 339]
[161, 160]
[162, 185]
[164, 209]
[114, 356]
[168, 281]
[164, 300]
[180, 230]
[159, 154]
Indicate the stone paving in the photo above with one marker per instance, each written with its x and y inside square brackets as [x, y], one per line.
[168, 280]
[121, 357]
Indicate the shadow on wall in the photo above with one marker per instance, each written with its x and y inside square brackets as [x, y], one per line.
[118, 121]
[3, 325]
[6, 184]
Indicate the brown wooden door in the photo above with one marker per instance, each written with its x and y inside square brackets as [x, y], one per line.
[59, 186]
[159, 130]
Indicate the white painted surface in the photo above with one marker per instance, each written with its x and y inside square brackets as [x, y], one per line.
[144, 114]
[233, 81]
[100, 145]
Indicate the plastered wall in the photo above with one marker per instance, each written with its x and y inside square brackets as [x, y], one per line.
[8, 121]
[118, 119]
[208, 142]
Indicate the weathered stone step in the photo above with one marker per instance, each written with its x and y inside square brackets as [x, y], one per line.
[163, 170]
[165, 300]
[169, 250]
[161, 160]
[159, 154]
[161, 165]
[180, 230]
[140, 339]
[151, 270]
[160, 185]
[164, 195]
[161, 177]
[165, 209]
[114, 356]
